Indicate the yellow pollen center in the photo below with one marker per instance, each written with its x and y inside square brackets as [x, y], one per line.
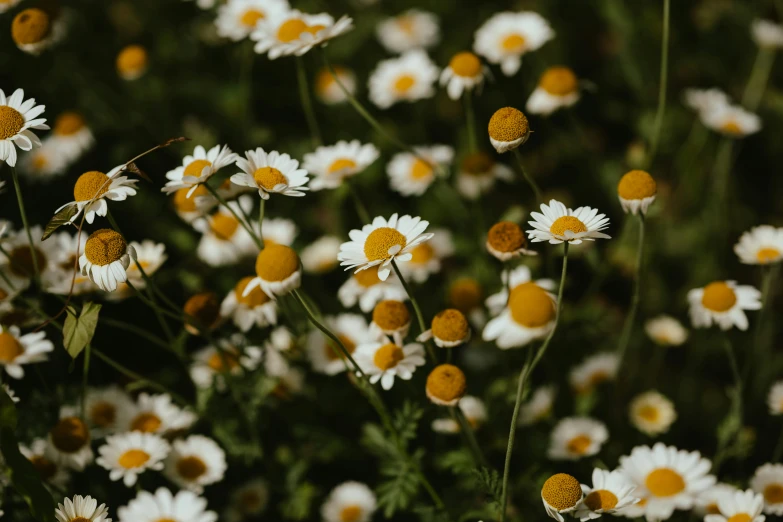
[276, 263]
[10, 348]
[513, 43]
[391, 316]
[331, 350]
[290, 30]
[183, 203]
[773, 493]
[21, 261]
[450, 325]
[191, 468]
[70, 435]
[712, 509]
[648, 413]
[478, 164]
[11, 122]
[132, 59]
[368, 277]
[767, 255]
[465, 294]
[388, 356]
[146, 422]
[40, 161]
[255, 298]
[732, 128]
[68, 123]
[251, 17]
[561, 491]
[45, 467]
[30, 26]
[202, 310]
[383, 243]
[104, 247]
[324, 79]
[559, 81]
[466, 64]
[664, 482]
[601, 499]
[506, 236]
[446, 382]
[91, 185]
[269, 177]
[421, 169]
[196, 167]
[407, 23]
[133, 458]
[221, 361]
[569, 223]
[740, 517]
[531, 306]
[403, 83]
[350, 513]
[422, 253]
[579, 444]
[508, 124]
[103, 414]
[166, 520]
[223, 225]
[637, 184]
[718, 297]
[341, 165]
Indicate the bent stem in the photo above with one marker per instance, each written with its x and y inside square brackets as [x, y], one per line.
[662, 85]
[20, 200]
[259, 243]
[361, 210]
[307, 102]
[625, 337]
[419, 316]
[528, 177]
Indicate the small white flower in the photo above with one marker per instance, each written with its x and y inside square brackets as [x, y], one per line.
[560, 494]
[427, 257]
[529, 314]
[150, 256]
[332, 164]
[538, 407]
[730, 120]
[767, 34]
[81, 509]
[707, 500]
[320, 256]
[558, 88]
[292, 32]
[236, 19]
[666, 331]
[16, 259]
[409, 77]
[127, 455]
[652, 413]
[224, 240]
[383, 361]
[518, 276]
[594, 370]
[367, 289]
[104, 407]
[350, 501]
[475, 413]
[17, 350]
[760, 245]
[412, 174]
[724, 303]
[740, 505]
[507, 36]
[325, 356]
[556, 223]
[413, 29]
[768, 480]
[328, 89]
[611, 492]
[636, 191]
[775, 399]
[195, 462]
[574, 438]
[156, 414]
[464, 73]
[478, 173]
[271, 173]
[93, 188]
[71, 136]
[246, 311]
[198, 168]
[185, 506]
[705, 100]
[44, 162]
[44, 460]
[278, 271]
[69, 441]
[17, 118]
[35, 30]
[106, 259]
[211, 365]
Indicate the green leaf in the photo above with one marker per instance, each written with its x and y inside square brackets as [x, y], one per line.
[78, 332]
[63, 217]
[406, 420]
[459, 462]
[24, 477]
[489, 480]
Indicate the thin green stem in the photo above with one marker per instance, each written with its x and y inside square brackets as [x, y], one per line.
[141, 332]
[416, 309]
[307, 102]
[658, 124]
[625, 337]
[20, 201]
[470, 437]
[759, 76]
[259, 243]
[528, 177]
[85, 379]
[155, 307]
[769, 274]
[261, 211]
[361, 209]
[470, 120]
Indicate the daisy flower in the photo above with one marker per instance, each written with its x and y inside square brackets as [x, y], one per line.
[210, 365]
[198, 168]
[69, 441]
[507, 36]
[667, 477]
[382, 242]
[81, 509]
[7, 5]
[320, 256]
[705, 100]
[41, 456]
[17, 120]
[293, 32]
[767, 34]
[202, 312]
[334, 163]
[71, 136]
[518, 276]
[446, 385]
[191, 208]
[557, 88]
[185, 506]
[127, 455]
[278, 231]
[195, 462]
[475, 413]
[236, 19]
[247, 501]
[768, 480]
[594, 370]
[449, 328]
[478, 173]
[391, 318]
[539, 407]
[224, 240]
[350, 501]
[730, 120]
[665, 330]
[278, 271]
[760, 245]
[150, 256]
[106, 258]
[576, 437]
[465, 294]
[561, 493]
[464, 73]
[413, 29]
[740, 505]
[34, 30]
[44, 162]
[611, 492]
[775, 399]
[409, 77]
[156, 414]
[384, 361]
[636, 191]
[427, 257]
[246, 311]
[16, 259]
[271, 173]
[529, 315]
[411, 174]
[93, 188]
[724, 303]
[104, 407]
[132, 62]
[329, 91]
[652, 413]
[325, 356]
[506, 240]
[707, 501]
[366, 288]
[16, 349]
[508, 128]
[556, 223]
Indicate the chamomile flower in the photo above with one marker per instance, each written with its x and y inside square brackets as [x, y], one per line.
[69, 441]
[81, 509]
[71, 136]
[185, 506]
[224, 240]
[384, 361]
[768, 480]
[247, 501]
[35, 30]
[593, 371]
[409, 78]
[202, 312]
[477, 174]
[413, 29]
[412, 174]
[427, 257]
[104, 407]
[41, 456]
[561, 493]
[391, 318]
[506, 240]
[195, 462]
[449, 328]
[44, 162]
[198, 168]
[665, 330]
[775, 399]
[382, 242]
[327, 88]
[246, 311]
[530, 314]
[132, 62]
[465, 294]
[539, 407]
[292, 32]
[271, 173]
[767, 34]
[367, 289]
[740, 505]
[518, 276]
[106, 259]
[507, 36]
[17, 257]
[325, 356]
[611, 492]
[17, 350]
[707, 500]
[557, 88]
[93, 188]
[278, 271]
[464, 73]
[636, 191]
[724, 303]
[320, 256]
[652, 413]
[350, 502]
[731, 121]
[128, 455]
[576, 437]
[187, 206]
[150, 256]
[475, 413]
[211, 365]
[760, 245]
[18, 118]
[705, 100]
[7, 5]
[508, 128]
[556, 223]
[446, 385]
[668, 478]
[156, 414]
[236, 19]
[332, 164]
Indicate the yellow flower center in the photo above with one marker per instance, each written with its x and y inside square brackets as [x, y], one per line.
[391, 315]
[11, 122]
[255, 298]
[383, 243]
[446, 382]
[450, 325]
[103, 414]
[276, 263]
[341, 165]
[740, 517]
[513, 43]
[601, 499]
[478, 164]
[45, 467]
[406, 23]
[767, 255]
[332, 351]
[465, 294]
[508, 124]
[251, 17]
[718, 297]
[183, 203]
[269, 177]
[506, 236]
[146, 422]
[20, 260]
[579, 444]
[422, 253]
[664, 482]
[648, 413]
[133, 458]
[220, 362]
[773, 493]
[421, 169]
[466, 64]
[324, 80]
[196, 167]
[104, 247]
[531, 306]
[388, 356]
[637, 184]
[10, 348]
[731, 128]
[559, 81]
[132, 60]
[564, 223]
[351, 513]
[368, 277]
[91, 185]
[191, 467]
[68, 123]
[202, 310]
[291, 29]
[40, 161]
[70, 435]
[712, 509]
[30, 26]
[561, 491]
[403, 83]
[223, 225]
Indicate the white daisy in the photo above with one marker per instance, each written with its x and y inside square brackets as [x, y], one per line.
[246, 311]
[247, 501]
[150, 256]
[106, 258]
[293, 32]
[16, 259]
[383, 361]
[44, 460]
[775, 399]
[731, 120]
[71, 136]
[506, 240]
[128, 455]
[592, 371]
[34, 30]
[191, 208]
[17, 118]
[211, 365]
[236, 19]
[561, 493]
[81, 509]
[409, 77]
[411, 174]
[768, 480]
[478, 173]
[104, 407]
[576, 437]
[667, 477]
[767, 34]
[367, 289]
[464, 73]
[556, 223]
[334, 163]
[195, 462]
[508, 129]
[325, 356]
[16, 349]
[705, 100]
[198, 168]
[611, 492]
[529, 315]
[224, 240]
[507, 36]
[391, 318]
[271, 173]
[740, 505]
[636, 191]
[446, 385]
[427, 257]
[724, 303]
[43, 163]
[652, 413]
[475, 413]
[557, 88]
[278, 271]
[350, 502]
[516, 277]
[132, 62]
[69, 441]
[185, 506]
[413, 29]
[156, 414]
[539, 406]
[93, 188]
[707, 500]
[449, 328]
[666, 331]
[760, 245]
[278, 231]
[320, 256]
[327, 88]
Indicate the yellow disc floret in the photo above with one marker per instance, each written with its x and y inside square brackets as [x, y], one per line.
[132, 61]
[465, 294]
[146, 422]
[351, 513]
[718, 297]
[196, 167]
[290, 30]
[10, 348]
[637, 184]
[383, 243]
[561, 491]
[256, 297]
[341, 165]
[183, 203]
[103, 414]
[648, 413]
[191, 467]
[404, 83]
[45, 467]
[767, 255]
[422, 253]
[223, 225]
[368, 277]
[202, 310]
[70, 435]
[773, 493]
[513, 43]
[569, 223]
[391, 316]
[11, 122]
[421, 169]
[133, 458]
[105, 246]
[531, 306]
[732, 128]
[466, 64]
[508, 124]
[30, 26]
[740, 517]
[446, 384]
[559, 81]
[450, 325]
[251, 17]
[91, 185]
[21, 263]
[477, 164]
[388, 356]
[276, 263]
[601, 499]
[269, 177]
[579, 445]
[506, 237]
[664, 482]
[68, 123]
[333, 352]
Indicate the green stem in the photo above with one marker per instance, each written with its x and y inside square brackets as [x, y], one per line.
[759, 76]
[261, 211]
[85, 378]
[361, 209]
[144, 334]
[20, 200]
[769, 274]
[658, 125]
[528, 177]
[155, 307]
[470, 120]
[625, 337]
[259, 243]
[307, 102]
[416, 309]
[469, 435]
